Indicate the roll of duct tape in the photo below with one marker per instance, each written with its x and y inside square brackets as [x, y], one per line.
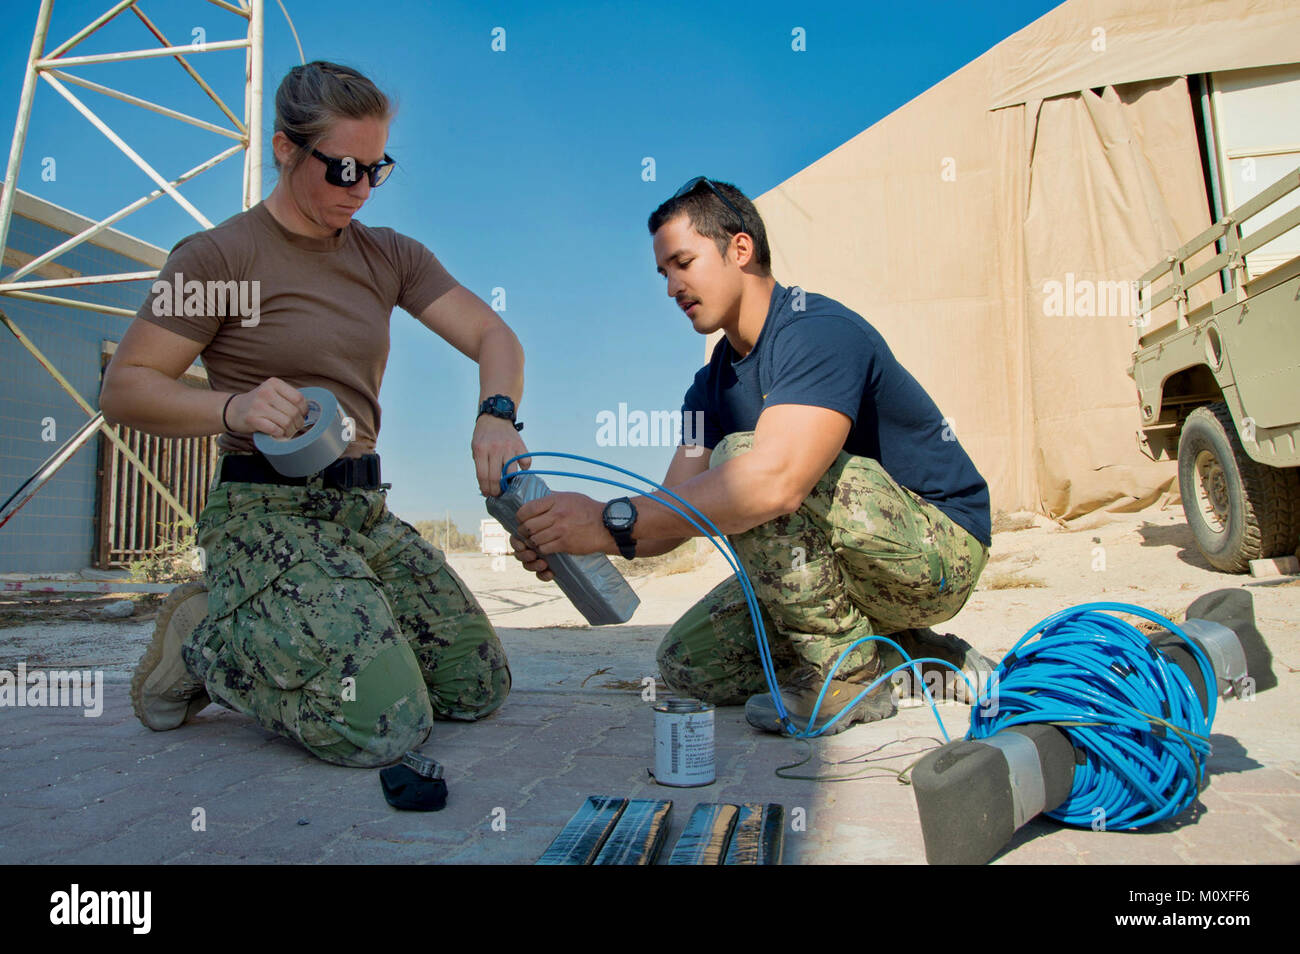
[320, 444]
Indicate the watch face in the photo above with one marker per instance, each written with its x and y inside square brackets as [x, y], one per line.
[423, 765]
[619, 513]
[500, 406]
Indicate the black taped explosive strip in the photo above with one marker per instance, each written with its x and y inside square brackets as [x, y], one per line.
[759, 836]
[639, 834]
[704, 839]
[585, 833]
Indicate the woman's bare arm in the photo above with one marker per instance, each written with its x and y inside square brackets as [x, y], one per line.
[142, 389]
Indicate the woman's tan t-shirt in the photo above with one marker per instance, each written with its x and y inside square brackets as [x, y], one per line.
[265, 303]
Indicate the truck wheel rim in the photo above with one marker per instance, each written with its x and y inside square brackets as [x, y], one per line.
[1212, 491]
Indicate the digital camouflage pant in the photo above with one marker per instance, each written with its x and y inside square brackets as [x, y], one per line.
[332, 622]
[861, 556]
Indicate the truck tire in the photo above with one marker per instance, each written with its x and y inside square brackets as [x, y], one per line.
[1238, 509]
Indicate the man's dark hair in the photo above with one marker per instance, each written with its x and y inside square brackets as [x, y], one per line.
[712, 219]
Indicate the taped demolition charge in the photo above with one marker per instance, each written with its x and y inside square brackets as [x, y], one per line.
[1093, 723]
[591, 582]
[639, 835]
[320, 444]
[707, 833]
[748, 834]
[684, 743]
[611, 831]
[620, 831]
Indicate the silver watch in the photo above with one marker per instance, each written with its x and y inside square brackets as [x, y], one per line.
[422, 765]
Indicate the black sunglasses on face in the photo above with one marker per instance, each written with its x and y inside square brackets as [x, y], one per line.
[346, 171]
[690, 187]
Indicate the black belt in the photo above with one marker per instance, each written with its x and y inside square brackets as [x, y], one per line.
[346, 473]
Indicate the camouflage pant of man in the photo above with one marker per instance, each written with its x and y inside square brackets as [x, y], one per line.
[332, 622]
[861, 556]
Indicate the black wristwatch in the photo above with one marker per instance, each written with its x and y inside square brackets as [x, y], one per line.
[422, 765]
[498, 405]
[619, 518]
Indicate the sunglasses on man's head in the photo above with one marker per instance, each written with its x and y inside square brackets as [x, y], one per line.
[346, 171]
[690, 187]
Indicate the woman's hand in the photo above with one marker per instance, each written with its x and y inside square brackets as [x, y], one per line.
[531, 560]
[273, 407]
[495, 442]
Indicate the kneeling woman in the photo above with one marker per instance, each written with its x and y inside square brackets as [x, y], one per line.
[325, 618]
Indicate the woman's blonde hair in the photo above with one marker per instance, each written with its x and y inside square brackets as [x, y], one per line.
[314, 96]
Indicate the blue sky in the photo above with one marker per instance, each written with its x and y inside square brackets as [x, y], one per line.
[521, 169]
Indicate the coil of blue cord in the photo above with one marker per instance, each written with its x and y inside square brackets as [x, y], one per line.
[1132, 713]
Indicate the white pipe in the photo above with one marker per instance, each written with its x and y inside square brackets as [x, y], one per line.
[90, 28]
[237, 11]
[253, 116]
[10, 188]
[80, 280]
[72, 303]
[155, 107]
[121, 214]
[131, 154]
[48, 64]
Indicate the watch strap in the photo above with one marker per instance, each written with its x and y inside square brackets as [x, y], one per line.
[487, 408]
[622, 536]
[626, 545]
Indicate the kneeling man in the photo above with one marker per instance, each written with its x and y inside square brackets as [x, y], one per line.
[850, 504]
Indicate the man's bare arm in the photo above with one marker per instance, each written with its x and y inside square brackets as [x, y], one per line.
[794, 445]
[688, 462]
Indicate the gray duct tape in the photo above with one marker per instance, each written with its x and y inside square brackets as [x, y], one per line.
[1227, 658]
[1028, 794]
[311, 452]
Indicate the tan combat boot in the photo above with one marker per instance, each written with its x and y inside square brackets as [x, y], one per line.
[164, 694]
[925, 642]
[799, 694]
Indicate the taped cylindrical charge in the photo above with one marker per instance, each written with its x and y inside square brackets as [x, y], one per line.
[1221, 645]
[684, 743]
[319, 446]
[1024, 772]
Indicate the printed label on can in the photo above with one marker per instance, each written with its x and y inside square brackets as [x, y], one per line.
[684, 743]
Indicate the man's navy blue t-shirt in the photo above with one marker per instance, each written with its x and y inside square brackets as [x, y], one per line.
[825, 355]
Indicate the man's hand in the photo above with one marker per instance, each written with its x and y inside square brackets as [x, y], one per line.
[273, 407]
[565, 523]
[495, 442]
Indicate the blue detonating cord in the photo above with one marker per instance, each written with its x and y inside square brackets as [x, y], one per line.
[715, 536]
[1134, 714]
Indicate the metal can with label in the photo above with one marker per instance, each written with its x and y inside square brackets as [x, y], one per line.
[684, 743]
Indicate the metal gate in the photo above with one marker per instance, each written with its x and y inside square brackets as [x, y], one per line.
[133, 519]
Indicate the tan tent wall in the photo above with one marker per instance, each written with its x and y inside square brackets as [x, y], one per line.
[1086, 44]
[946, 223]
[1115, 182]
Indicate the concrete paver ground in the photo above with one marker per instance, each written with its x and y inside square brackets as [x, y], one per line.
[107, 790]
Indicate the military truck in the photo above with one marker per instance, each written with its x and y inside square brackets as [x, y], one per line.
[1219, 384]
